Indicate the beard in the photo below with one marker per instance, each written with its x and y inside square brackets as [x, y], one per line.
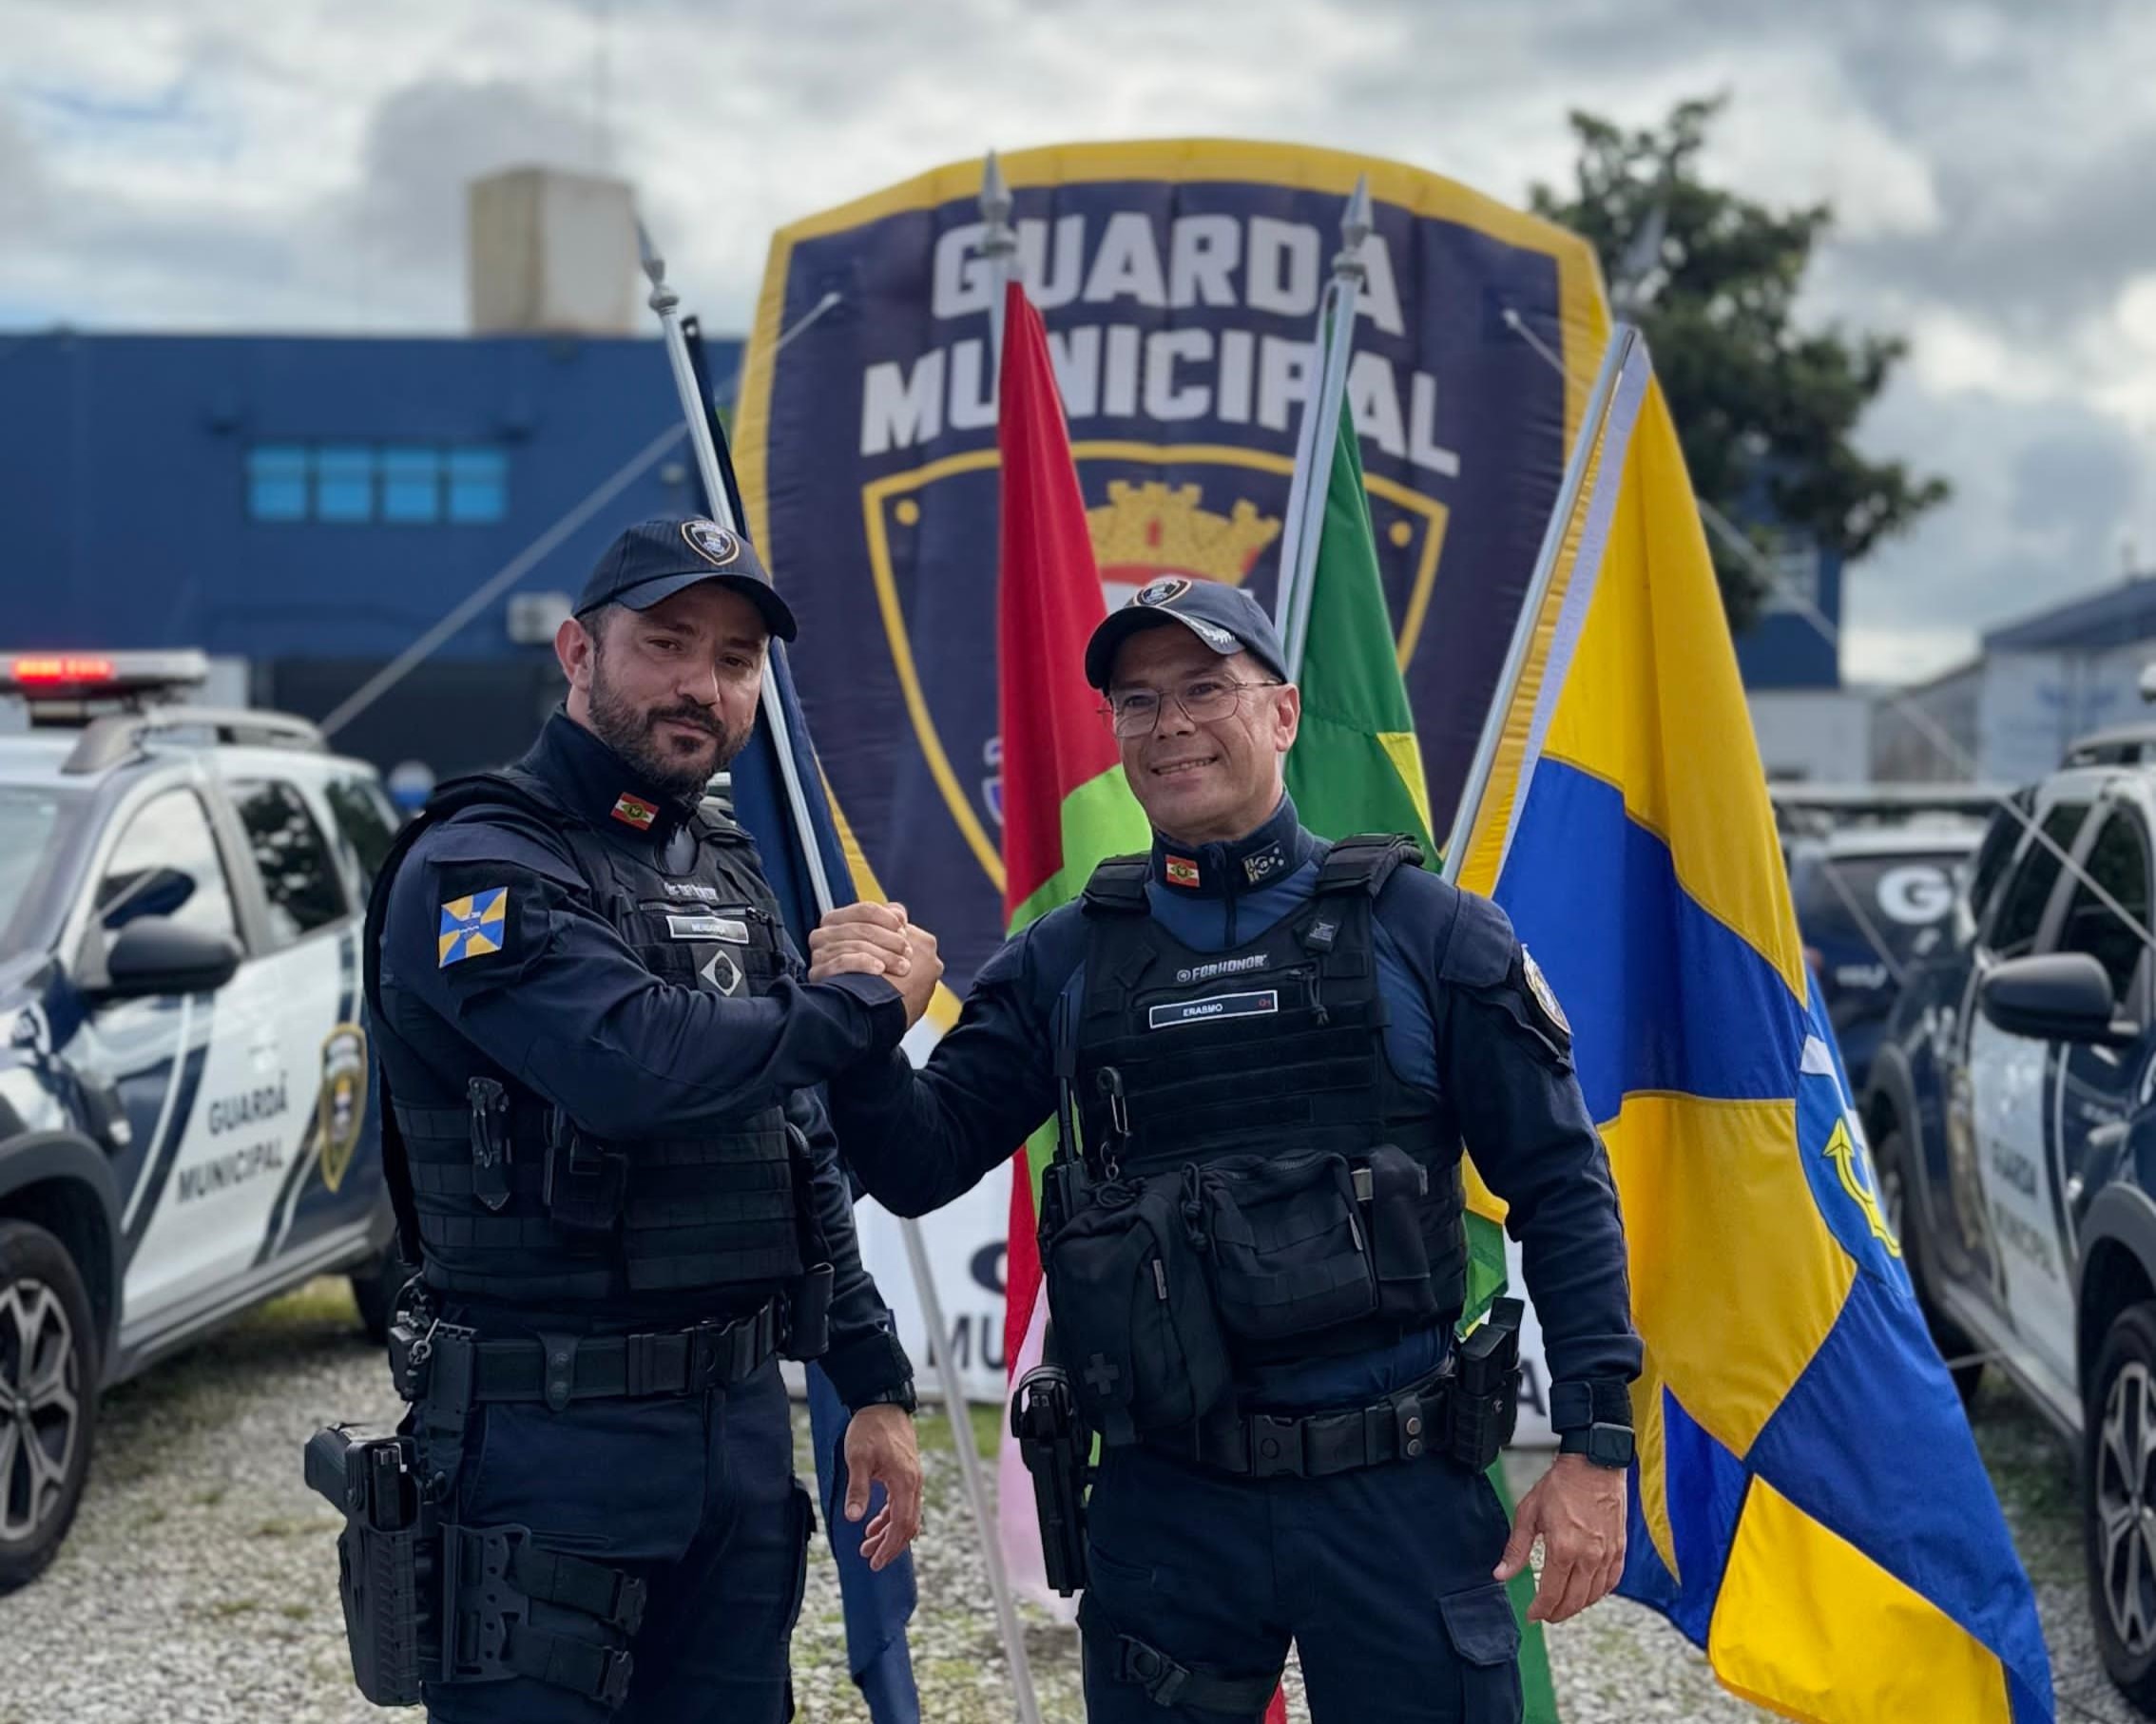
[632, 733]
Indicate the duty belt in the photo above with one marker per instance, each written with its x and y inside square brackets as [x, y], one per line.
[1403, 1427]
[560, 1368]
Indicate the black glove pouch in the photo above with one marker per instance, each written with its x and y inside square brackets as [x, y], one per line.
[1134, 1319]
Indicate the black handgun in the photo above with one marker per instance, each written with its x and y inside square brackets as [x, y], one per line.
[1057, 1448]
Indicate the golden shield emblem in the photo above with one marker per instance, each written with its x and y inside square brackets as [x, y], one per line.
[340, 1109]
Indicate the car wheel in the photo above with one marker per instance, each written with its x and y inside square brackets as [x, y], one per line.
[2118, 1486]
[374, 1289]
[1890, 1162]
[48, 1398]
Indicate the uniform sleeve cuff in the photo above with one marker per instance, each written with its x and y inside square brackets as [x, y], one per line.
[867, 1366]
[885, 1006]
[1583, 1401]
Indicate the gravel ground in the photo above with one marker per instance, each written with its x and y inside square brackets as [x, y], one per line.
[200, 1580]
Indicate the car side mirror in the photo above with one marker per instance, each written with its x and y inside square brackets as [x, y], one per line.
[2057, 997]
[156, 956]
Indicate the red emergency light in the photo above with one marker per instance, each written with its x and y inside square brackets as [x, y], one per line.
[31, 672]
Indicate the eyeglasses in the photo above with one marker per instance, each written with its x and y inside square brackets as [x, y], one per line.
[1132, 712]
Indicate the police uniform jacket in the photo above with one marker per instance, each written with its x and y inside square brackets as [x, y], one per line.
[554, 999]
[1464, 1028]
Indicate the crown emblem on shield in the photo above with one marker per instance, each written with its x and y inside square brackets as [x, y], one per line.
[1144, 530]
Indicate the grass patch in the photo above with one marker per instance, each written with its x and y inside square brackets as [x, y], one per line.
[210, 1498]
[232, 1607]
[323, 1303]
[294, 1613]
[935, 1429]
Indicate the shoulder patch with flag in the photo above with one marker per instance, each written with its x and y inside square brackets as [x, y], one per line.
[472, 926]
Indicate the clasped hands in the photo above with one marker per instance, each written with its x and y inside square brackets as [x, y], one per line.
[877, 940]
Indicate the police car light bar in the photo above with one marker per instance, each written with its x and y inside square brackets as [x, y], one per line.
[62, 676]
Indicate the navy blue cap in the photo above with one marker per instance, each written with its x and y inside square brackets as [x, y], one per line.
[1227, 619]
[656, 559]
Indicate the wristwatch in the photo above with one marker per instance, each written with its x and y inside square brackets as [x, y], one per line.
[897, 1395]
[1604, 1444]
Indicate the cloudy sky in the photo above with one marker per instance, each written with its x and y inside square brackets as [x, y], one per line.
[249, 164]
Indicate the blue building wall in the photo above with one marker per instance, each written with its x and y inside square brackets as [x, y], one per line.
[1785, 648]
[124, 502]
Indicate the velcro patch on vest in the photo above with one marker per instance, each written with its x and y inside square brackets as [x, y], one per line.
[1211, 1011]
[708, 928]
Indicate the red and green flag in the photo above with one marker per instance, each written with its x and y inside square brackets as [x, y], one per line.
[1066, 806]
[1356, 768]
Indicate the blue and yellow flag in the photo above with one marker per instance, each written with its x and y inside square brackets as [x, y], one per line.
[1809, 1505]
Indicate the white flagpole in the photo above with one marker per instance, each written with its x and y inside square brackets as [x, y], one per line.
[664, 301]
[1621, 335]
[1305, 520]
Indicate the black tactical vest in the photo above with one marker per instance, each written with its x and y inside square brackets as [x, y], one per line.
[1323, 1194]
[507, 1199]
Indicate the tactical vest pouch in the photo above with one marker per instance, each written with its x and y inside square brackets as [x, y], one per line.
[1287, 1244]
[1134, 1320]
[1395, 1188]
[585, 1183]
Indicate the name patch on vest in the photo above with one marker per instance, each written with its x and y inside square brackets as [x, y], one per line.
[1208, 1011]
[708, 928]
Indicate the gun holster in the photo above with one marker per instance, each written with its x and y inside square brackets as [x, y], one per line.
[1057, 1448]
[1484, 1400]
[427, 1601]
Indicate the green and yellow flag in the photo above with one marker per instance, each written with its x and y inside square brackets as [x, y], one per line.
[1356, 768]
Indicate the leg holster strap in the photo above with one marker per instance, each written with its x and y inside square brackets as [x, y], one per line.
[490, 1577]
[1167, 1683]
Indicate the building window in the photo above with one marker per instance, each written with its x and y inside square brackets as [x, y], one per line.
[411, 484]
[276, 482]
[478, 484]
[401, 484]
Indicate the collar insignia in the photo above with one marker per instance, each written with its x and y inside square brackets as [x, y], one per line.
[1261, 865]
[1180, 871]
[634, 811]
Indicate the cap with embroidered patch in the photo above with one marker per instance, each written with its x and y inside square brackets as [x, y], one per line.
[656, 559]
[1225, 618]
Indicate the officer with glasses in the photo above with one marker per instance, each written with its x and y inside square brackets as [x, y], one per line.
[1263, 1053]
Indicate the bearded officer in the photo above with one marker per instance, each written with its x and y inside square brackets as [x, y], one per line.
[600, 1054]
[1271, 1050]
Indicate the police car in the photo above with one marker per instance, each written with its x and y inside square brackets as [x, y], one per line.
[186, 1128]
[2012, 1112]
[1871, 872]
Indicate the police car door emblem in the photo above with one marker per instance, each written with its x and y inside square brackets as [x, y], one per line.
[340, 1107]
[1219, 1005]
[1539, 986]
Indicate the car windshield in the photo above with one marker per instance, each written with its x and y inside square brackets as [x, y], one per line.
[1852, 906]
[37, 825]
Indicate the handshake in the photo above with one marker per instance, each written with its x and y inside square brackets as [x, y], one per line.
[877, 940]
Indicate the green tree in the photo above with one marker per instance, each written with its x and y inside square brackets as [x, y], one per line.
[1764, 409]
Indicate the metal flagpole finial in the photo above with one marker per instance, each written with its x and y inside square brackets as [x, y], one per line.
[1357, 224]
[1001, 239]
[662, 298]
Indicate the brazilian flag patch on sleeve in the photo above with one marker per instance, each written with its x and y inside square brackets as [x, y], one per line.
[473, 926]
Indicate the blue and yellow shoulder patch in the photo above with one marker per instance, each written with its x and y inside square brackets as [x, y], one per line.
[472, 926]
